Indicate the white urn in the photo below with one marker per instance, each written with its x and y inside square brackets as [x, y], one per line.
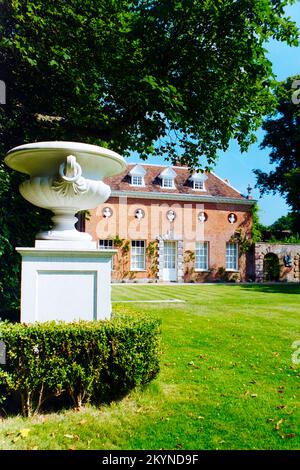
[65, 177]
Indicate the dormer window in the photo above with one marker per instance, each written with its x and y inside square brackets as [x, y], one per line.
[167, 177]
[198, 180]
[137, 181]
[137, 174]
[167, 183]
[198, 185]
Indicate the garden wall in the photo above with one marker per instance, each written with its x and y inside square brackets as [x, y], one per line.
[288, 257]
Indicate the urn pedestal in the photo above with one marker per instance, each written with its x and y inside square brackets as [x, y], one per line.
[65, 276]
[65, 283]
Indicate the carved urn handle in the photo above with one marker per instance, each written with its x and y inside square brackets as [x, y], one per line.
[70, 170]
[71, 183]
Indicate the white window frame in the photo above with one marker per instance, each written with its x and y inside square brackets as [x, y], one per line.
[137, 180]
[198, 182]
[232, 256]
[138, 254]
[200, 248]
[198, 179]
[168, 183]
[107, 244]
[137, 174]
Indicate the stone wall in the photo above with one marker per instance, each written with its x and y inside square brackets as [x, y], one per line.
[287, 274]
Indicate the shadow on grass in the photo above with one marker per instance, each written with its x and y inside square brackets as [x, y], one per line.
[12, 405]
[270, 288]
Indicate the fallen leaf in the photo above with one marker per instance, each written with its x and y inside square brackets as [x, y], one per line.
[24, 432]
[277, 425]
[16, 439]
[69, 436]
[254, 395]
[201, 417]
[290, 435]
[82, 422]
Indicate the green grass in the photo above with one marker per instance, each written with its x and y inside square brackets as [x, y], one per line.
[227, 380]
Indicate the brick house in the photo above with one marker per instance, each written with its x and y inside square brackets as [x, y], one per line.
[172, 225]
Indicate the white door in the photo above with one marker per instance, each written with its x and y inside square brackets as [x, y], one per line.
[170, 261]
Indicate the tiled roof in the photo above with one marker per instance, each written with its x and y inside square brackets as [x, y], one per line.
[214, 186]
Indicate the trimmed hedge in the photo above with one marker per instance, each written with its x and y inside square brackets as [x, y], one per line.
[87, 361]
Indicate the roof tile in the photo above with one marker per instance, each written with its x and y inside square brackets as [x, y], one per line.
[214, 186]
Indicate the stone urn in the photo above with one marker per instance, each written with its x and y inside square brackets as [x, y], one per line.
[65, 177]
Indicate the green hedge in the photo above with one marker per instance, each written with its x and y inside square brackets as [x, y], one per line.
[87, 361]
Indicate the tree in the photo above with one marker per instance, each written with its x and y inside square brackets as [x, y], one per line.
[169, 77]
[284, 223]
[152, 76]
[283, 138]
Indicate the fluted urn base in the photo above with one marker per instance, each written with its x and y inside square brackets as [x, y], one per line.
[64, 229]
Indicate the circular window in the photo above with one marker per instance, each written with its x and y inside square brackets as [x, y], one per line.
[202, 217]
[232, 218]
[107, 212]
[139, 214]
[171, 215]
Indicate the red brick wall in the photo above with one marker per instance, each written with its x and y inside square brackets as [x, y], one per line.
[216, 230]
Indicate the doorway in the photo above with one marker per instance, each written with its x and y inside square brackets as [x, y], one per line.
[170, 261]
[271, 267]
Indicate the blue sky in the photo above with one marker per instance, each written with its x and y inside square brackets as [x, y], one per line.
[238, 167]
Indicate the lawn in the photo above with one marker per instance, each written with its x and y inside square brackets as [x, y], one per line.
[227, 379]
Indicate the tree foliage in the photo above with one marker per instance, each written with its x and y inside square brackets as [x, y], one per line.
[163, 76]
[285, 222]
[283, 138]
[169, 77]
